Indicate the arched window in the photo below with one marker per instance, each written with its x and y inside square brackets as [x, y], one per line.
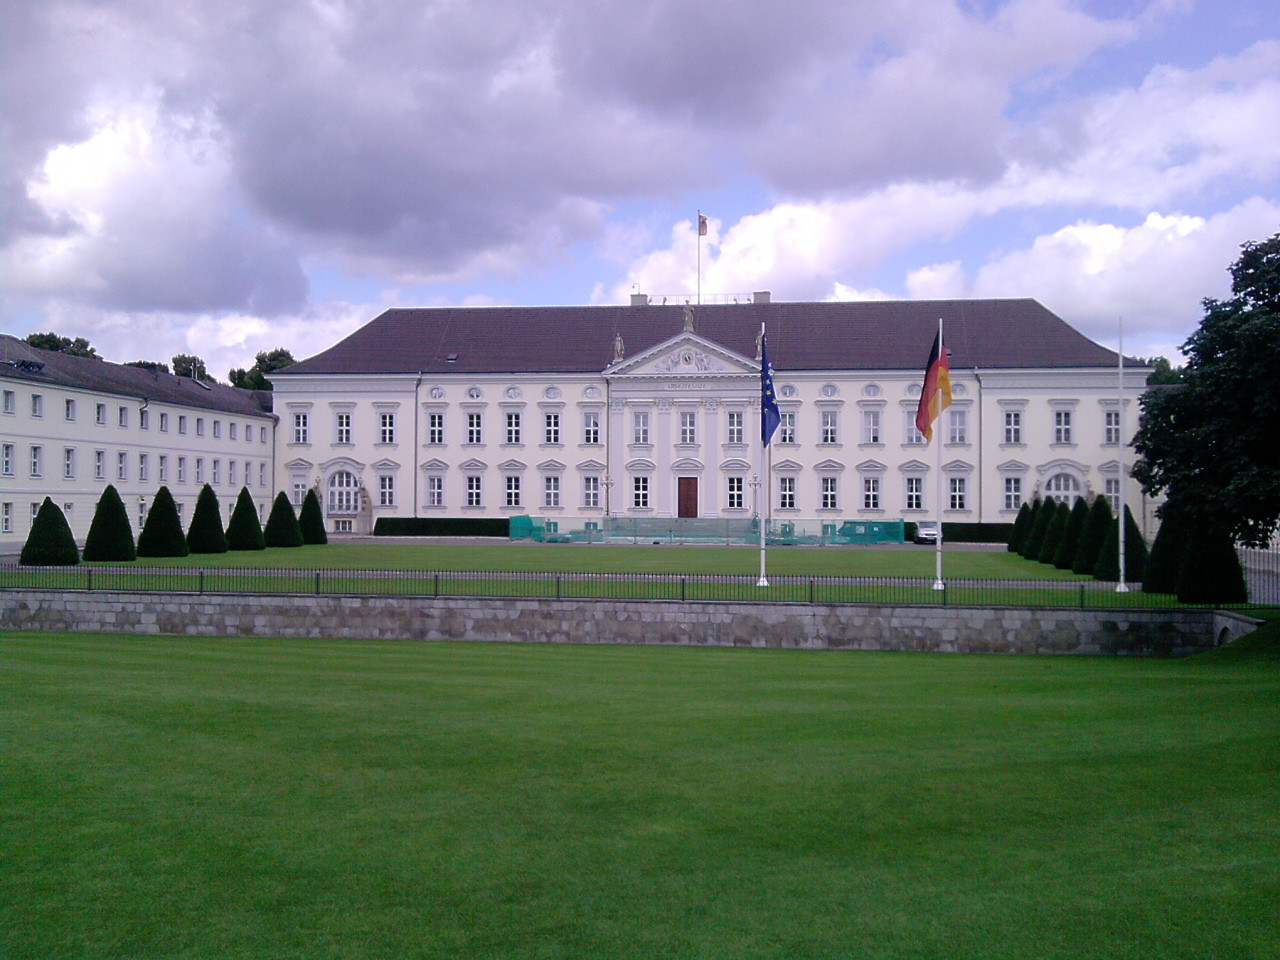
[1064, 488]
[342, 493]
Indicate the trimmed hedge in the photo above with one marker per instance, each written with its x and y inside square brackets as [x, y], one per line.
[1107, 566]
[205, 533]
[110, 536]
[162, 534]
[1076, 521]
[1160, 575]
[282, 526]
[244, 532]
[976, 532]
[1039, 529]
[50, 543]
[1094, 536]
[311, 521]
[1056, 534]
[1211, 571]
[1020, 527]
[442, 527]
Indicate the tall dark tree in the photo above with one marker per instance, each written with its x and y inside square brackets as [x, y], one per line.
[1160, 575]
[1076, 521]
[1210, 570]
[1039, 529]
[190, 366]
[1094, 536]
[162, 534]
[312, 520]
[205, 533]
[1020, 524]
[1211, 445]
[78, 347]
[110, 534]
[244, 531]
[1107, 565]
[282, 525]
[1054, 534]
[264, 364]
[50, 543]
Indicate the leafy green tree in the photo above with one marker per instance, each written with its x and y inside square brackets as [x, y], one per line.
[50, 543]
[110, 534]
[282, 525]
[312, 520]
[1107, 565]
[1019, 533]
[1211, 445]
[264, 364]
[1163, 372]
[149, 365]
[1039, 529]
[244, 532]
[205, 533]
[1094, 536]
[1160, 575]
[162, 534]
[1210, 570]
[1076, 521]
[1055, 533]
[79, 347]
[190, 366]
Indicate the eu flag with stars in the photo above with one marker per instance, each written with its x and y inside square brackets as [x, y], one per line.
[769, 416]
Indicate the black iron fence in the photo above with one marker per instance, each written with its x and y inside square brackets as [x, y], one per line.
[567, 586]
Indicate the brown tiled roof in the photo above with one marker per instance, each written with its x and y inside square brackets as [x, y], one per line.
[883, 335]
[20, 361]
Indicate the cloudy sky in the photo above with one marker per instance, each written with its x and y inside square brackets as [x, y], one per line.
[223, 178]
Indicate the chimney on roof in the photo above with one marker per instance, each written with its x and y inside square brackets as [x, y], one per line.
[760, 296]
[639, 299]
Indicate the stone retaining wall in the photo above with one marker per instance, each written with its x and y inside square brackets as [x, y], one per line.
[790, 625]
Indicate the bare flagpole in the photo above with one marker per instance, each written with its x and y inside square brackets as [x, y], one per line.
[1121, 587]
[702, 232]
[937, 583]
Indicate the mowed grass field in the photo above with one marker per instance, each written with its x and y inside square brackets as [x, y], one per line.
[185, 798]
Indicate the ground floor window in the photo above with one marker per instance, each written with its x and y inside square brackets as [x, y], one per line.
[737, 495]
[915, 493]
[870, 493]
[342, 493]
[830, 494]
[786, 493]
[1064, 488]
[640, 492]
[1012, 493]
[957, 485]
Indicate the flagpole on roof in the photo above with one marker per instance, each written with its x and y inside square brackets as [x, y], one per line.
[702, 232]
[1121, 587]
[942, 358]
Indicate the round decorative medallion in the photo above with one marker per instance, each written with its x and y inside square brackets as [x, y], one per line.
[474, 393]
[788, 390]
[513, 393]
[551, 393]
[871, 390]
[437, 393]
[829, 390]
[591, 393]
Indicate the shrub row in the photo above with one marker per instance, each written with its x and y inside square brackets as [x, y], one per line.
[442, 527]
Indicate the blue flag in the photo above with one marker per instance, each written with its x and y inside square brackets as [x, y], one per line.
[769, 416]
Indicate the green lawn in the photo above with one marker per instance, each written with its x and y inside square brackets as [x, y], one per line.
[312, 799]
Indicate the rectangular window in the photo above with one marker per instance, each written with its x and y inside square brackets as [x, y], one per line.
[640, 492]
[591, 491]
[37, 405]
[688, 427]
[162, 469]
[915, 493]
[122, 466]
[217, 429]
[199, 426]
[787, 493]
[69, 409]
[262, 474]
[100, 413]
[217, 472]
[301, 432]
[262, 435]
[1112, 429]
[957, 426]
[1013, 426]
[386, 428]
[231, 431]
[473, 491]
[69, 463]
[513, 428]
[473, 428]
[386, 491]
[640, 427]
[591, 427]
[1012, 493]
[957, 485]
[734, 427]
[10, 401]
[37, 461]
[830, 424]
[6, 459]
[199, 469]
[1062, 426]
[231, 473]
[143, 467]
[182, 423]
[6, 518]
[122, 417]
[911, 433]
[736, 493]
[551, 428]
[1111, 490]
[513, 491]
[99, 464]
[342, 428]
[870, 426]
[787, 428]
[144, 419]
[551, 491]
[164, 422]
[830, 490]
[435, 491]
[435, 429]
[182, 469]
[870, 493]
[299, 493]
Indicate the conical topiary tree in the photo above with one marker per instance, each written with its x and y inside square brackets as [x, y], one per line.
[1076, 520]
[1054, 535]
[1019, 533]
[205, 533]
[50, 543]
[282, 525]
[312, 520]
[1210, 571]
[1039, 529]
[1107, 566]
[162, 534]
[1160, 575]
[110, 534]
[1095, 533]
[244, 532]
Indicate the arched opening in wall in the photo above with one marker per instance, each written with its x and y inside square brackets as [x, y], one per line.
[1224, 636]
[342, 493]
[1064, 488]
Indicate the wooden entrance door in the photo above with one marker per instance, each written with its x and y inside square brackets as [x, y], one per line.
[687, 496]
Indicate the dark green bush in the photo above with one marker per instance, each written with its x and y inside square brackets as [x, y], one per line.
[1107, 566]
[442, 527]
[1020, 525]
[244, 532]
[1095, 534]
[1076, 521]
[162, 534]
[1055, 534]
[110, 534]
[283, 529]
[50, 543]
[312, 520]
[1210, 571]
[1039, 529]
[1160, 575]
[205, 533]
[957, 532]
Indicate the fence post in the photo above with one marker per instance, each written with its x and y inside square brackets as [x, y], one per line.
[436, 585]
[1082, 594]
[682, 591]
[200, 582]
[89, 574]
[557, 586]
[811, 589]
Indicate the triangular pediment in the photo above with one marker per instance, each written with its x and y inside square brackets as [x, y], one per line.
[871, 466]
[551, 466]
[1013, 466]
[958, 466]
[298, 463]
[473, 464]
[591, 465]
[435, 463]
[787, 466]
[511, 465]
[386, 464]
[685, 355]
[828, 465]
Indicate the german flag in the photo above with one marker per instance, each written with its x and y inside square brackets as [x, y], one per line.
[936, 395]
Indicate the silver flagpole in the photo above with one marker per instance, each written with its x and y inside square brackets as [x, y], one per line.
[763, 514]
[937, 583]
[1121, 587]
[698, 229]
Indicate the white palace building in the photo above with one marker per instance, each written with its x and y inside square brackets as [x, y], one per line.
[576, 415]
